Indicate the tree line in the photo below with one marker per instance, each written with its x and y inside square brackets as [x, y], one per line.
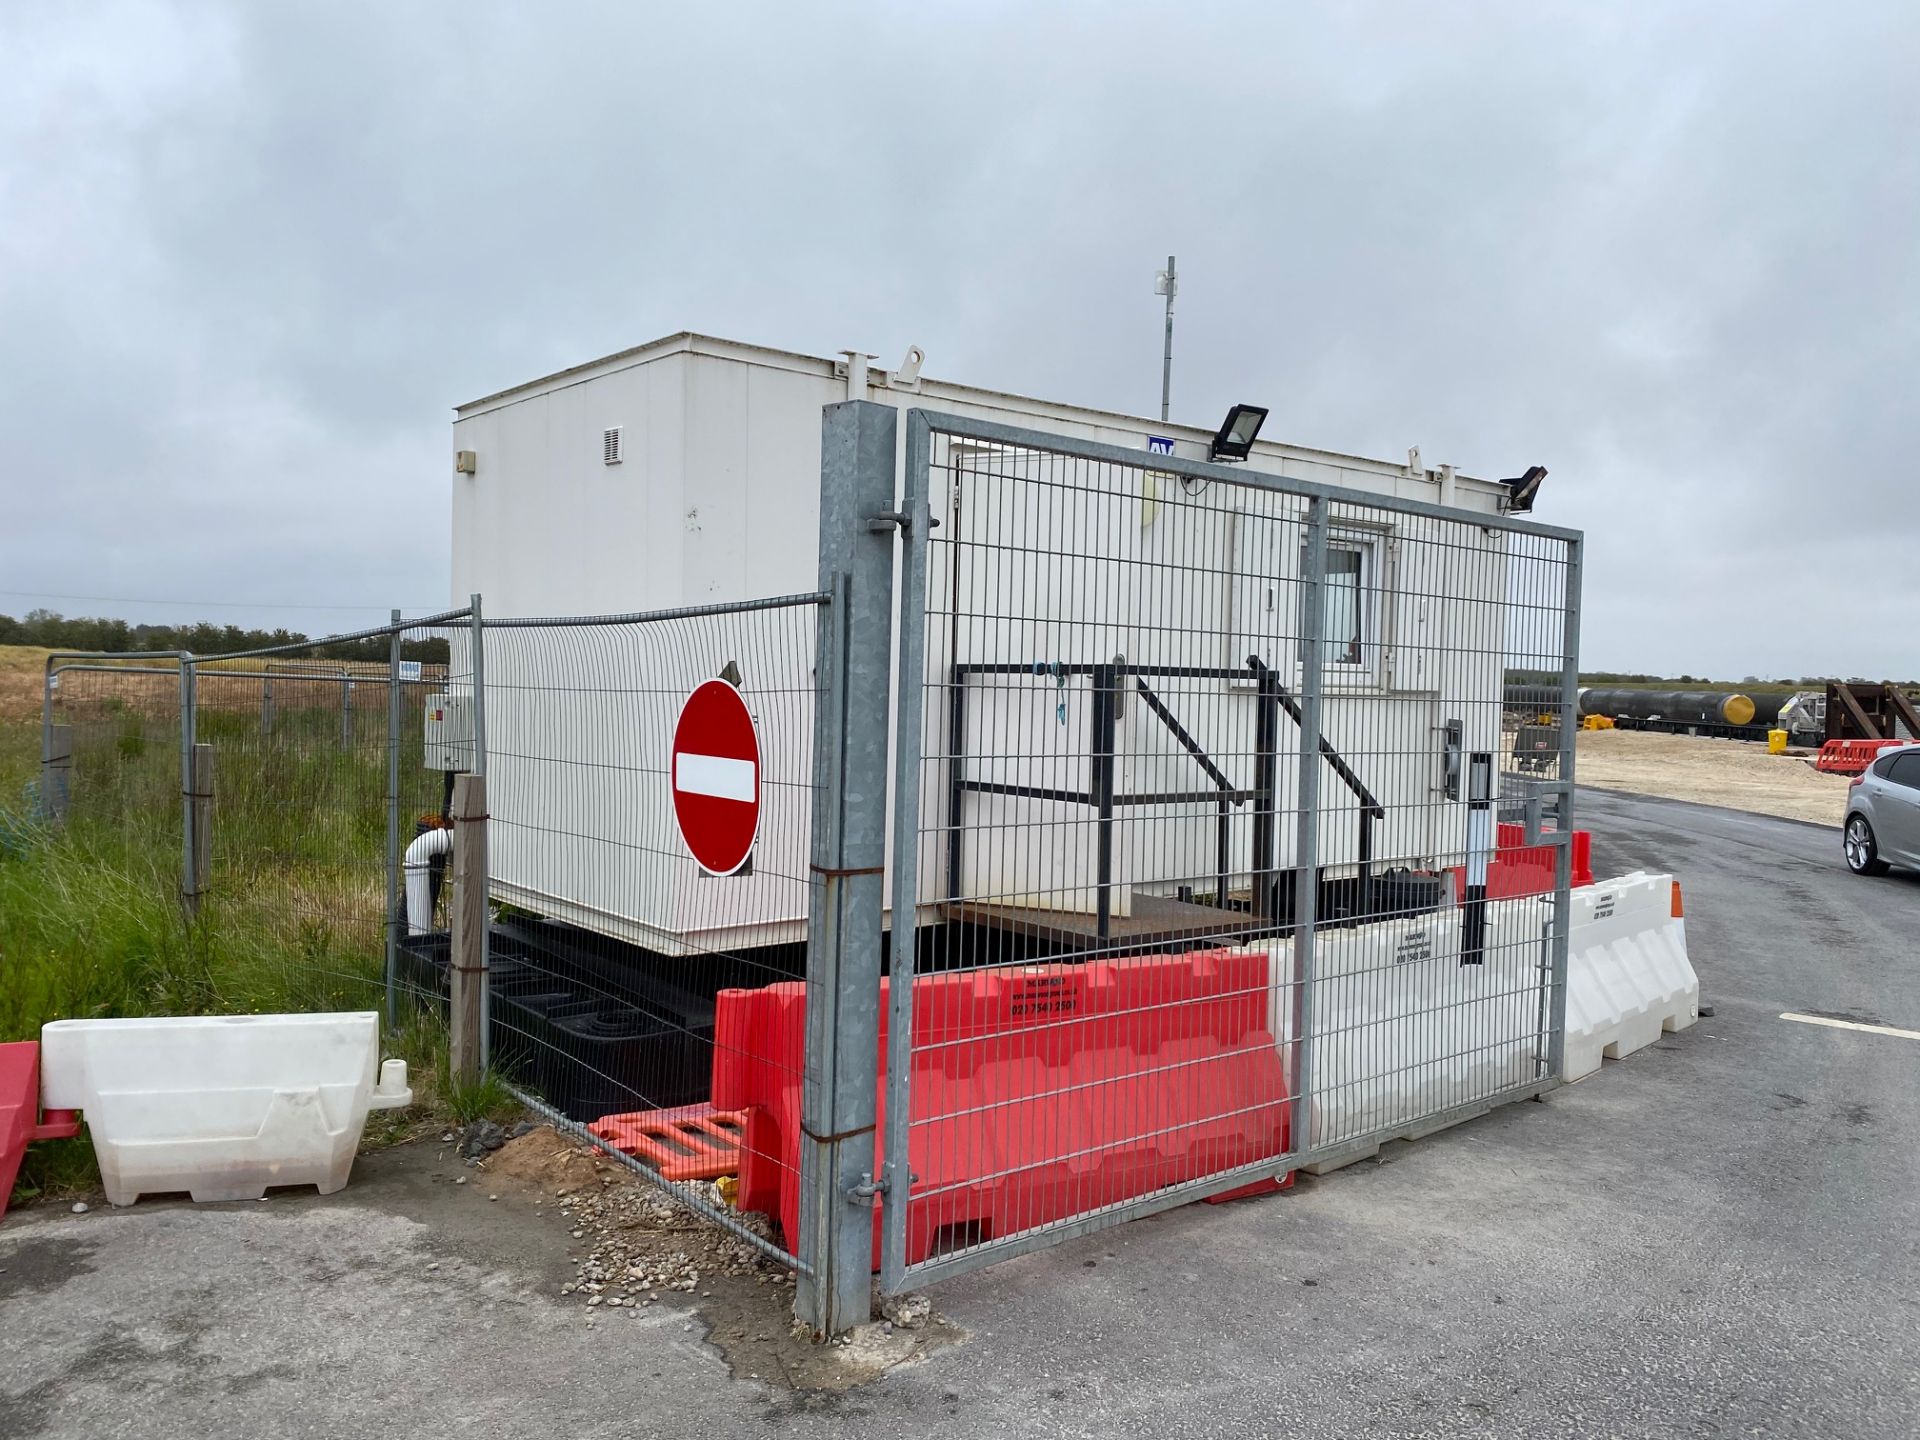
[54, 631]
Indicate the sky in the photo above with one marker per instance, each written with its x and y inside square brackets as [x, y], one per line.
[252, 254]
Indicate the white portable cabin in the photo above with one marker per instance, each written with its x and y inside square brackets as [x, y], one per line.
[686, 472]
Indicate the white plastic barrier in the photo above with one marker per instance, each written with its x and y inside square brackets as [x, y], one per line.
[221, 1106]
[1628, 976]
[1406, 1038]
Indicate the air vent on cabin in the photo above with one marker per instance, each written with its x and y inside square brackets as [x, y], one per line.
[610, 445]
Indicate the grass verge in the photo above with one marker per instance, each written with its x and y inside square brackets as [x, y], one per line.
[91, 924]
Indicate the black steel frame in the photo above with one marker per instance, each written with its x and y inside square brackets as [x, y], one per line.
[1272, 698]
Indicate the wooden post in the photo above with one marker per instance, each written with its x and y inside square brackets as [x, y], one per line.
[56, 774]
[266, 708]
[200, 801]
[467, 975]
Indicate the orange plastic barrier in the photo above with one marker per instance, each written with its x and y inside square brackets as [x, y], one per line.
[690, 1142]
[20, 1118]
[1851, 757]
[1521, 869]
[1040, 1092]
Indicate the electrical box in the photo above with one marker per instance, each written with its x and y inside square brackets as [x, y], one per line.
[449, 732]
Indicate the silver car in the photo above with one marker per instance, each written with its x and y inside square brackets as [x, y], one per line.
[1883, 814]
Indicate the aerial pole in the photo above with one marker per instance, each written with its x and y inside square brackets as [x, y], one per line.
[1167, 284]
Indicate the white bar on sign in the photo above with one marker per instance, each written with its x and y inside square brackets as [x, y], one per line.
[720, 776]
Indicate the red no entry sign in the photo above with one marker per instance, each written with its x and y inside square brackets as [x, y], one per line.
[716, 777]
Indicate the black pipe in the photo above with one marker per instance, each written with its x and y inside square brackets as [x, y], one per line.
[1105, 707]
[1266, 772]
[1675, 707]
[1223, 852]
[1536, 699]
[956, 778]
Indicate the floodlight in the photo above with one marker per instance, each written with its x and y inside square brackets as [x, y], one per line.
[1522, 490]
[1237, 432]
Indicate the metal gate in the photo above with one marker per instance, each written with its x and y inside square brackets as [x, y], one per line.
[1213, 858]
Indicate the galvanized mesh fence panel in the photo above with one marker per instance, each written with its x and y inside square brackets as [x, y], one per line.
[1190, 833]
[617, 960]
[121, 720]
[1433, 967]
[298, 815]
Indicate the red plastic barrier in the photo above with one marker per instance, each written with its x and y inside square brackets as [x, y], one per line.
[20, 1119]
[1852, 757]
[1519, 869]
[1040, 1092]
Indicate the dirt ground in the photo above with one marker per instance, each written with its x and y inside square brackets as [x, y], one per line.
[633, 1249]
[1735, 773]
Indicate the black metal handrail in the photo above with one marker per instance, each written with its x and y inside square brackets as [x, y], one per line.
[1273, 698]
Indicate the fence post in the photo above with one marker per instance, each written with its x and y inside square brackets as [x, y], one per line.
[835, 1244]
[346, 708]
[266, 708]
[467, 968]
[189, 892]
[395, 718]
[477, 628]
[1306, 860]
[56, 773]
[48, 681]
[200, 802]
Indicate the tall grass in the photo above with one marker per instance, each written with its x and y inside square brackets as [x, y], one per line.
[91, 923]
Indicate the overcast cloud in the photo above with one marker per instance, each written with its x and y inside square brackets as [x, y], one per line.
[250, 256]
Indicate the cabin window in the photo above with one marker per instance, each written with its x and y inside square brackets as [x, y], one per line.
[1350, 625]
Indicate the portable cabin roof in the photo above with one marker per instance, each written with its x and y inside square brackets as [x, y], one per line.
[933, 394]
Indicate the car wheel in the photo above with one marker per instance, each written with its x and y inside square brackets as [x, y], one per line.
[1863, 854]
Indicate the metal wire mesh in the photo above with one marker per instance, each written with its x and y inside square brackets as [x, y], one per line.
[121, 722]
[1198, 759]
[616, 957]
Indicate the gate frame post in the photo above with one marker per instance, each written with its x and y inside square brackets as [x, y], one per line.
[896, 1178]
[1306, 859]
[839, 1109]
[1563, 846]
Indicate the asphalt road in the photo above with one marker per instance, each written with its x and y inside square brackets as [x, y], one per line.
[1720, 1235]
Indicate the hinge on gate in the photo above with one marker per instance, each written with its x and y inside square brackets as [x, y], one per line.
[869, 1188]
[896, 519]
